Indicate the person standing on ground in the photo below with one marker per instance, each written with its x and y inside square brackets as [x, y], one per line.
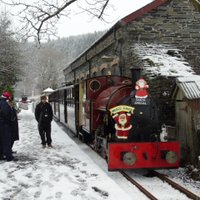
[14, 122]
[5, 127]
[44, 116]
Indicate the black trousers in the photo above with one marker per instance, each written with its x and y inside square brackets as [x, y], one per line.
[45, 133]
[5, 141]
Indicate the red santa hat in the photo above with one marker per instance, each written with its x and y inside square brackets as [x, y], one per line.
[7, 95]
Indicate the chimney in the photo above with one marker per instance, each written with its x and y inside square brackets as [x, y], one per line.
[135, 72]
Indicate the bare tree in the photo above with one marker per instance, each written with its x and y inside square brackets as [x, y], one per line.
[39, 18]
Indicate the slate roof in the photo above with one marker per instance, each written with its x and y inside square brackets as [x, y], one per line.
[162, 60]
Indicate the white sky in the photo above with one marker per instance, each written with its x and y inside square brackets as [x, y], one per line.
[80, 22]
[83, 23]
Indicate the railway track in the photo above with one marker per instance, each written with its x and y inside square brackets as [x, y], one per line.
[177, 186]
[162, 177]
[165, 180]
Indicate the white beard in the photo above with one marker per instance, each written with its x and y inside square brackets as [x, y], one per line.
[122, 122]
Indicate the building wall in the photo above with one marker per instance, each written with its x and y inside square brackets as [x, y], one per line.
[176, 23]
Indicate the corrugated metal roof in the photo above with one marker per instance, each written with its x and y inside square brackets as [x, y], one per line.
[190, 86]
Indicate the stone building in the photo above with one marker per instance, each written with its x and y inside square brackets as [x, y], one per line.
[162, 38]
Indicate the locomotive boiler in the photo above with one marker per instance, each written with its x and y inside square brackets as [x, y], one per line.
[120, 119]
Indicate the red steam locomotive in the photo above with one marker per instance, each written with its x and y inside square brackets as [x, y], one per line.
[117, 116]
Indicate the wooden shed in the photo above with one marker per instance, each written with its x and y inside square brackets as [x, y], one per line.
[187, 109]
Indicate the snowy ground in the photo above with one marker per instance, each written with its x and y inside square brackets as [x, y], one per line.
[69, 171]
[64, 172]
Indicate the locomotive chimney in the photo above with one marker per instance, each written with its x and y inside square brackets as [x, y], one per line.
[135, 72]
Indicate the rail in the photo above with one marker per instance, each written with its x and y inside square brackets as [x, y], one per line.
[140, 187]
[162, 177]
[177, 186]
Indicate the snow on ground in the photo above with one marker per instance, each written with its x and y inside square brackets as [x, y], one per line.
[69, 171]
[64, 172]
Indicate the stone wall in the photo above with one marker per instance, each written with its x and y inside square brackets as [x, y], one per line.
[176, 23]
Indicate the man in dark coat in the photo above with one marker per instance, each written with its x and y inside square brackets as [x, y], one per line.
[14, 122]
[5, 127]
[44, 116]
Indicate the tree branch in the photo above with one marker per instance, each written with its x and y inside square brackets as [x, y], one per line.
[102, 11]
[39, 18]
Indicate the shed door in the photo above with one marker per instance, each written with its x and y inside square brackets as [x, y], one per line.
[182, 126]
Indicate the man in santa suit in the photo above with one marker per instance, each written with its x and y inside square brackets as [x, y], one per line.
[122, 119]
[122, 125]
[141, 89]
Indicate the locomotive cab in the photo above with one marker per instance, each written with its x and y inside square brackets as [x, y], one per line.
[102, 93]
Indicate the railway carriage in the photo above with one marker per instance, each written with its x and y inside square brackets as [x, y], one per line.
[64, 106]
[119, 119]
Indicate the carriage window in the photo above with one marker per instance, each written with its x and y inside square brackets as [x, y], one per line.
[95, 85]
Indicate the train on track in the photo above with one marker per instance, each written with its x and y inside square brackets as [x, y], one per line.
[118, 117]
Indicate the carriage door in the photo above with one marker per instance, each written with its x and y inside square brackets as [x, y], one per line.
[76, 101]
[82, 102]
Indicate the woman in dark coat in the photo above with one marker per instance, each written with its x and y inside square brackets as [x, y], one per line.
[5, 127]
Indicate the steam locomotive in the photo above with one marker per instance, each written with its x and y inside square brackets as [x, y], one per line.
[119, 118]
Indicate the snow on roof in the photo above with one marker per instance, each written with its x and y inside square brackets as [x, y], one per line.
[193, 78]
[190, 86]
[161, 60]
[48, 90]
